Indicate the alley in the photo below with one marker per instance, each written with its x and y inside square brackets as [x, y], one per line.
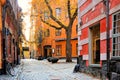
[44, 70]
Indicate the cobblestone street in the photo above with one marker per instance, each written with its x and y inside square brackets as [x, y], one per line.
[31, 69]
[44, 70]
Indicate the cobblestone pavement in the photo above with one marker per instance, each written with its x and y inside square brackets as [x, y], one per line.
[44, 70]
[31, 69]
[17, 71]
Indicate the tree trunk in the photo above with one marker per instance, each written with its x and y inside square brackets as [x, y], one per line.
[68, 45]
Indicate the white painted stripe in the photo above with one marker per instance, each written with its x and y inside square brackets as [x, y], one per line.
[78, 52]
[103, 56]
[79, 47]
[79, 32]
[78, 38]
[81, 2]
[84, 41]
[98, 18]
[103, 35]
[89, 7]
[116, 8]
[85, 57]
[93, 20]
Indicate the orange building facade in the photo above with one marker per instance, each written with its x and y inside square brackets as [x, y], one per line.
[53, 42]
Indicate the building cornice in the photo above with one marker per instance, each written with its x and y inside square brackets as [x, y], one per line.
[98, 18]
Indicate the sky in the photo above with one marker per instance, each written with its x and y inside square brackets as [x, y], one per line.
[25, 5]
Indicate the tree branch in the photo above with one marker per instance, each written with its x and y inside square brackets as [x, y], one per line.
[73, 17]
[75, 14]
[50, 24]
[54, 18]
[68, 7]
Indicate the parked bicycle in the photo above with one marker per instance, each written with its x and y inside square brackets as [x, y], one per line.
[9, 68]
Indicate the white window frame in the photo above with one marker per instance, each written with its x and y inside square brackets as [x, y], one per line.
[115, 35]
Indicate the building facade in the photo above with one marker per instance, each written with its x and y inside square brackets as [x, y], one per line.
[53, 41]
[2, 2]
[92, 33]
[10, 33]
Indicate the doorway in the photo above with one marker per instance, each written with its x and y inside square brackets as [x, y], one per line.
[47, 51]
[95, 44]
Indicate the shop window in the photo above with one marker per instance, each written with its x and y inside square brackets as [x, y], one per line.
[116, 35]
[58, 50]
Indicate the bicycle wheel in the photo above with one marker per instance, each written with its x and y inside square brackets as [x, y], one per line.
[10, 70]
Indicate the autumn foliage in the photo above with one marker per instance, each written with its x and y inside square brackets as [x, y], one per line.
[66, 18]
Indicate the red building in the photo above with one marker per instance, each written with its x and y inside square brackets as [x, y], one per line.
[92, 33]
[10, 34]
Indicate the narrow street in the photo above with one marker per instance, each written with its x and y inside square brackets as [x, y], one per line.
[44, 70]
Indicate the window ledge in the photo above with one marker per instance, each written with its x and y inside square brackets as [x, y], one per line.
[94, 65]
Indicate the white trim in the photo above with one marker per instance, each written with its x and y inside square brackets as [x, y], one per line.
[98, 18]
[78, 52]
[103, 56]
[85, 57]
[89, 7]
[81, 2]
[80, 47]
[116, 8]
[103, 35]
[84, 41]
[79, 32]
[93, 20]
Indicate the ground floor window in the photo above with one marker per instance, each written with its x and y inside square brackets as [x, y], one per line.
[116, 35]
[58, 50]
[95, 44]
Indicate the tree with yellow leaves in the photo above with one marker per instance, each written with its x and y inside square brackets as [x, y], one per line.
[69, 14]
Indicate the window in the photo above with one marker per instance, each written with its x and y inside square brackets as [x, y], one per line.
[116, 35]
[46, 16]
[58, 32]
[77, 49]
[76, 28]
[58, 50]
[47, 33]
[58, 12]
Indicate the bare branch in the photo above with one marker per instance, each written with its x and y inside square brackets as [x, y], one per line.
[50, 9]
[54, 18]
[50, 24]
[75, 14]
[68, 7]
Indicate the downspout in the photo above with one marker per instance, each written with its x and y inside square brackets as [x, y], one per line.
[108, 38]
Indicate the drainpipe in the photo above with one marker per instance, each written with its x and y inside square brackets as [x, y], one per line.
[108, 38]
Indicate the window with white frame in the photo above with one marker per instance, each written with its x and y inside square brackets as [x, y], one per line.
[46, 17]
[116, 35]
[58, 12]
